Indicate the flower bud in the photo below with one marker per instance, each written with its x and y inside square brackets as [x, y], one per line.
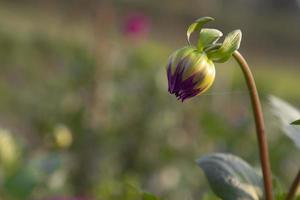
[190, 72]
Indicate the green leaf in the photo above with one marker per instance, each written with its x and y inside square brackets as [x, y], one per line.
[231, 44]
[230, 177]
[286, 113]
[279, 190]
[196, 26]
[149, 196]
[21, 184]
[210, 196]
[297, 122]
[280, 197]
[208, 37]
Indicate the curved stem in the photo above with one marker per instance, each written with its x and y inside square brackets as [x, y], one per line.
[259, 123]
[294, 187]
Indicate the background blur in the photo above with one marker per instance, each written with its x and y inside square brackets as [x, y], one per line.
[84, 107]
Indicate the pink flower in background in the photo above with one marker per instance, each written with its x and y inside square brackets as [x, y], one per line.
[137, 26]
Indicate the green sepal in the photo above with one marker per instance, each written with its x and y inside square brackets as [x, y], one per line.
[297, 122]
[231, 43]
[196, 26]
[208, 37]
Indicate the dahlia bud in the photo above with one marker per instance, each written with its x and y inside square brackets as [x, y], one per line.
[191, 70]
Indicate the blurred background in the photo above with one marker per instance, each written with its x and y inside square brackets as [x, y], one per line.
[84, 107]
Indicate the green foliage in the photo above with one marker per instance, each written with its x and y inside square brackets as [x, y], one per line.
[149, 196]
[21, 184]
[209, 196]
[231, 177]
[278, 189]
[297, 122]
[127, 191]
[286, 113]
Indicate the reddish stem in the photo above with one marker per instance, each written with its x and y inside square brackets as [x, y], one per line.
[294, 187]
[259, 123]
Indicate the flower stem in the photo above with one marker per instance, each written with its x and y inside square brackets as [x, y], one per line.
[294, 187]
[259, 123]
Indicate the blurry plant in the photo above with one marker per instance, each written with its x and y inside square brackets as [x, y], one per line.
[19, 175]
[9, 151]
[127, 191]
[297, 122]
[190, 72]
[287, 113]
[63, 136]
[137, 26]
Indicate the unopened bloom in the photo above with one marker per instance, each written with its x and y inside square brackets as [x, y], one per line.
[191, 70]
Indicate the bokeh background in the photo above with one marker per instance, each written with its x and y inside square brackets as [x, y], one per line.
[84, 107]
